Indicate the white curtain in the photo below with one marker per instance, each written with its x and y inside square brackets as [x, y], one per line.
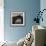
[1, 20]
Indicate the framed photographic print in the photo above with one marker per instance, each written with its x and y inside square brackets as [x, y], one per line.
[17, 18]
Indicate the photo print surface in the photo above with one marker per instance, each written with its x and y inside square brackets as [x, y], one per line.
[17, 18]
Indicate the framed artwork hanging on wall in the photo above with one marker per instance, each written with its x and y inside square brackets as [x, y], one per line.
[17, 18]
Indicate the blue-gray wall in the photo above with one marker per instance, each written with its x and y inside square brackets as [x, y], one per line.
[30, 7]
[43, 6]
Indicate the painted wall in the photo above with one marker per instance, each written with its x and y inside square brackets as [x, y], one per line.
[29, 7]
[43, 6]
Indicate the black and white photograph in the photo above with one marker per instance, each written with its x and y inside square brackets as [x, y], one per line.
[17, 19]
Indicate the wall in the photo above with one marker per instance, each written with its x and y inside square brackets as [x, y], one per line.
[43, 6]
[29, 7]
